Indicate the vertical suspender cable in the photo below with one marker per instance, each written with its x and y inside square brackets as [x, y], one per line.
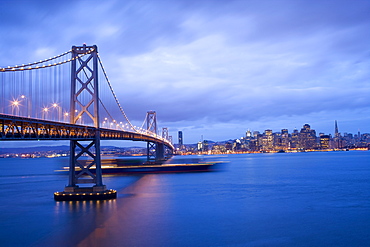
[114, 95]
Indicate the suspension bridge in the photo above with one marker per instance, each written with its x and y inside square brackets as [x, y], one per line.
[63, 98]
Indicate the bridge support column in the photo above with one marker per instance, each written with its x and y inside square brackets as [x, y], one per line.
[81, 172]
[151, 152]
[160, 151]
[155, 152]
[85, 105]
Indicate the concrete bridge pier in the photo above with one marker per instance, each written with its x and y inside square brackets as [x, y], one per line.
[160, 152]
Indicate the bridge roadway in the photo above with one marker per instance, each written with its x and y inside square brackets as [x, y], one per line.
[15, 128]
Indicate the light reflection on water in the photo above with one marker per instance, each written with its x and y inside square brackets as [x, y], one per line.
[107, 223]
[313, 199]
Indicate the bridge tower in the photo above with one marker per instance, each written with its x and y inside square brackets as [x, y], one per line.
[155, 151]
[165, 133]
[167, 152]
[84, 104]
[170, 139]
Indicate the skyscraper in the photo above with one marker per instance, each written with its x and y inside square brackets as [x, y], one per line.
[268, 141]
[336, 129]
[307, 137]
[284, 139]
[181, 143]
[337, 137]
[294, 139]
[324, 141]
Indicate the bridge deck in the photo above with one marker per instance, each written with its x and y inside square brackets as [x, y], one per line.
[13, 128]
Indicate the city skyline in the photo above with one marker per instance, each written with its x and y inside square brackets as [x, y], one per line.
[305, 139]
[175, 138]
[211, 68]
[336, 131]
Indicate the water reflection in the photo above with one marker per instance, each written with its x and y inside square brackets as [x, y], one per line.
[110, 222]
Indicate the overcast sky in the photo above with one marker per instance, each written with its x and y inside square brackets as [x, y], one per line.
[213, 68]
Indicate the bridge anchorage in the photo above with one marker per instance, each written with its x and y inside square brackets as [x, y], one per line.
[27, 118]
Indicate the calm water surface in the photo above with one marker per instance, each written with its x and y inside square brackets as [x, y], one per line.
[289, 199]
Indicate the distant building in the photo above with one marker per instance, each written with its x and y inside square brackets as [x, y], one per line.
[324, 141]
[248, 135]
[200, 146]
[267, 141]
[294, 139]
[229, 146]
[253, 145]
[205, 146]
[181, 142]
[277, 141]
[285, 143]
[337, 140]
[307, 138]
[336, 132]
[256, 134]
[218, 148]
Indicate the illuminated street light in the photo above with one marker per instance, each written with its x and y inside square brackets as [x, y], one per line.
[27, 105]
[15, 106]
[58, 109]
[66, 116]
[45, 111]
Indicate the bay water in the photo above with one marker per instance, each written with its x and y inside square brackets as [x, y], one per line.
[281, 199]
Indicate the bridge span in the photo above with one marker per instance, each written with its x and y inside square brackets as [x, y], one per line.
[15, 128]
[60, 98]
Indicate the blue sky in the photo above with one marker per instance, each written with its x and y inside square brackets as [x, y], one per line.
[213, 68]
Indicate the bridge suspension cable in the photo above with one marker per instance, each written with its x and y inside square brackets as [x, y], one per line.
[114, 95]
[31, 66]
[36, 90]
[40, 90]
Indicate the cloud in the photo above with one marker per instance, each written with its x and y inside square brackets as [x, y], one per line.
[206, 65]
[216, 76]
